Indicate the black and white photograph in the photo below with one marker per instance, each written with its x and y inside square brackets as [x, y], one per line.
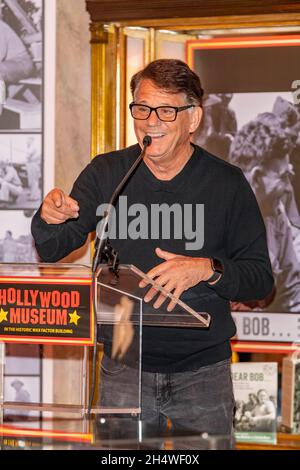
[255, 393]
[21, 64]
[22, 377]
[252, 121]
[20, 171]
[21, 389]
[268, 125]
[257, 413]
[16, 242]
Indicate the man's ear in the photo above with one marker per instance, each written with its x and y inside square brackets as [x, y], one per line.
[195, 118]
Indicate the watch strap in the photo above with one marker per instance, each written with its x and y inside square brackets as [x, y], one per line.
[214, 277]
[217, 268]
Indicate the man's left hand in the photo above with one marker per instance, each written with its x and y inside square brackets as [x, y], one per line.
[177, 274]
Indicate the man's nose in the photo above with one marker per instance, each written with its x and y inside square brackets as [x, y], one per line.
[153, 119]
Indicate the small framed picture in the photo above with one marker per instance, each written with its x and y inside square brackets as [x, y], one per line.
[251, 119]
[16, 242]
[20, 171]
[21, 65]
[21, 389]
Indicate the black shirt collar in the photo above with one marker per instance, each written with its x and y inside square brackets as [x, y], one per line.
[178, 181]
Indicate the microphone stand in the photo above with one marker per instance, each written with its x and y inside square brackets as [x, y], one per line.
[105, 252]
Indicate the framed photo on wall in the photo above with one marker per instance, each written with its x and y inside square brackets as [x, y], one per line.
[21, 64]
[21, 111]
[27, 153]
[252, 119]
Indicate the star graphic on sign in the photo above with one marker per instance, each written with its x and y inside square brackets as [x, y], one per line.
[3, 315]
[74, 317]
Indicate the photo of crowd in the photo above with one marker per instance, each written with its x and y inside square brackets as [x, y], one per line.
[266, 146]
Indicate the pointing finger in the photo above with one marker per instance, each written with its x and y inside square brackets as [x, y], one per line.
[58, 197]
[72, 203]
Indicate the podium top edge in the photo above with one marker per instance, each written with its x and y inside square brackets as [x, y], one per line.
[40, 270]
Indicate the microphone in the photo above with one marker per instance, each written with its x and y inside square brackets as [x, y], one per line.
[147, 140]
[104, 223]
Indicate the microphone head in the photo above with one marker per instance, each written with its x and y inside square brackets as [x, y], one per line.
[147, 141]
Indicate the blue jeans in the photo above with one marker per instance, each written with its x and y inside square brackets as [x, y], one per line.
[195, 402]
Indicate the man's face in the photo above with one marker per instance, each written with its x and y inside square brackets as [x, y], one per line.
[169, 139]
[225, 98]
[17, 386]
[263, 397]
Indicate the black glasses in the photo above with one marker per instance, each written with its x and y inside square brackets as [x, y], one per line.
[164, 113]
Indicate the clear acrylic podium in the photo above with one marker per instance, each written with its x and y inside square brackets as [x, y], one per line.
[121, 316]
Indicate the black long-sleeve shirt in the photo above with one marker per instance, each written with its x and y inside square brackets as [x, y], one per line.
[234, 232]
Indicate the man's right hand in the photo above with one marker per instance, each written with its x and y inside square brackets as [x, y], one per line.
[57, 207]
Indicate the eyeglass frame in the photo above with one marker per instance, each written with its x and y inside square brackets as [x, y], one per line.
[176, 108]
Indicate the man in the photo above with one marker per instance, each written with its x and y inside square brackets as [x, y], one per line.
[9, 248]
[289, 119]
[33, 167]
[182, 368]
[15, 62]
[260, 149]
[224, 126]
[10, 184]
[263, 417]
[22, 395]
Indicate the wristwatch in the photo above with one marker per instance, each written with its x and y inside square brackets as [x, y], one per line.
[217, 268]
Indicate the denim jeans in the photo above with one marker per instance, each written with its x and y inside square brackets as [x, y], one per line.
[193, 402]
